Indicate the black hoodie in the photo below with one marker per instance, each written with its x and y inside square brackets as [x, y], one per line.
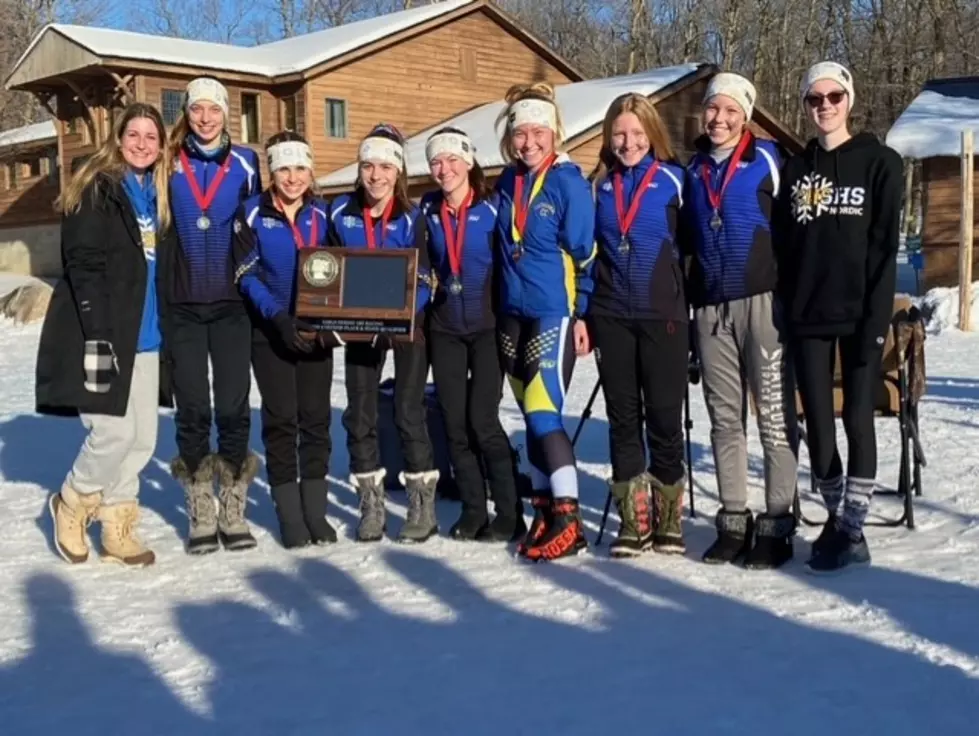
[837, 238]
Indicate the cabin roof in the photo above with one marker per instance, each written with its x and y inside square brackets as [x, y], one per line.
[582, 105]
[277, 58]
[28, 134]
[933, 123]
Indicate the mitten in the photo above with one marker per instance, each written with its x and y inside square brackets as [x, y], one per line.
[288, 332]
[100, 366]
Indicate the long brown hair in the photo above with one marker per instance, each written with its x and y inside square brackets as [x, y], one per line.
[401, 198]
[652, 125]
[108, 160]
[477, 177]
[536, 91]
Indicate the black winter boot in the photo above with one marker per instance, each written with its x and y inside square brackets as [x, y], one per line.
[470, 524]
[773, 542]
[508, 525]
[314, 495]
[539, 525]
[289, 509]
[734, 533]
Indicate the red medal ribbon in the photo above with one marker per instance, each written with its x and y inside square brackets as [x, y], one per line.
[732, 166]
[520, 210]
[203, 200]
[296, 234]
[455, 237]
[369, 223]
[626, 219]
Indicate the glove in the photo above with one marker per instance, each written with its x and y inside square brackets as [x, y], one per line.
[288, 329]
[100, 365]
[381, 342]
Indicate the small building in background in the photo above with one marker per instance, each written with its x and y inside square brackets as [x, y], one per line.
[677, 92]
[930, 131]
[411, 68]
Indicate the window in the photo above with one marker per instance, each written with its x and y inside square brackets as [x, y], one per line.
[171, 104]
[249, 118]
[336, 118]
[289, 112]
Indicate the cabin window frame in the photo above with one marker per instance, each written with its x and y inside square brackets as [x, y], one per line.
[290, 105]
[245, 133]
[334, 131]
[170, 95]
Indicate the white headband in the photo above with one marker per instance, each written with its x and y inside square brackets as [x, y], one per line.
[736, 87]
[207, 89]
[382, 150]
[451, 143]
[290, 153]
[533, 111]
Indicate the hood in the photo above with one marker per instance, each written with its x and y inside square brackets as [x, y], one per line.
[858, 146]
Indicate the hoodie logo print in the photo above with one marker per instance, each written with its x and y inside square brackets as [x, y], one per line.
[811, 197]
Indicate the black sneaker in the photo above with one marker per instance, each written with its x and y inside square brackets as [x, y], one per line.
[773, 542]
[734, 534]
[471, 522]
[838, 553]
[825, 534]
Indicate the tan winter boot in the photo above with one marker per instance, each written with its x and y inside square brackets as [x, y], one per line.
[119, 541]
[233, 499]
[72, 512]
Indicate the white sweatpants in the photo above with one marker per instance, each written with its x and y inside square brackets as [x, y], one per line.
[118, 448]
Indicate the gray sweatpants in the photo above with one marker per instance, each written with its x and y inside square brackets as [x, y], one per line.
[117, 448]
[741, 346]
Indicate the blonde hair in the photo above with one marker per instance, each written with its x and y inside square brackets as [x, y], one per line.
[536, 91]
[108, 160]
[652, 125]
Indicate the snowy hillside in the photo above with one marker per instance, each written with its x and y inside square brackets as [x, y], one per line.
[452, 638]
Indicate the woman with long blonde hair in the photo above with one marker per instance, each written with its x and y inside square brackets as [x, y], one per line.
[211, 179]
[545, 228]
[103, 337]
[638, 319]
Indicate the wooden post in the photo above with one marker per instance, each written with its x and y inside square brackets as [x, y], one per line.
[965, 242]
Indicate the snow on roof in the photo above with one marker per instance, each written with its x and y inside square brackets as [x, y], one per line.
[28, 134]
[287, 56]
[932, 124]
[582, 105]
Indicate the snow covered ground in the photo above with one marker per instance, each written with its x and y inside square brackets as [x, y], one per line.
[451, 638]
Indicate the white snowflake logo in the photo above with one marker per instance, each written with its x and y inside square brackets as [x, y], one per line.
[811, 197]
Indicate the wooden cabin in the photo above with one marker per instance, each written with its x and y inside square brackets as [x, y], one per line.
[410, 68]
[930, 131]
[677, 92]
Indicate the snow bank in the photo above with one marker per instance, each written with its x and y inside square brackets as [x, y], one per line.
[940, 307]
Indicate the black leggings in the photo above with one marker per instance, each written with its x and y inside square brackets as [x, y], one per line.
[860, 366]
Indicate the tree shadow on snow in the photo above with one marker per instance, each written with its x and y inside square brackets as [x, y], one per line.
[67, 683]
[324, 653]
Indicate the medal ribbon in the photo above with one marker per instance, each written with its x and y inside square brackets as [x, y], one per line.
[369, 223]
[297, 236]
[455, 237]
[626, 219]
[732, 166]
[518, 217]
[204, 200]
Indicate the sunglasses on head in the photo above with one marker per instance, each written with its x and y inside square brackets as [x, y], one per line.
[835, 98]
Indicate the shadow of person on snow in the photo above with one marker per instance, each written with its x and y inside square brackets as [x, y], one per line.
[325, 653]
[66, 683]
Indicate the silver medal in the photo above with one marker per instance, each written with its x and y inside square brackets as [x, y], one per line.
[203, 222]
[715, 221]
[624, 244]
[455, 286]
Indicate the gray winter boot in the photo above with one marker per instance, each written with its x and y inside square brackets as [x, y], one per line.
[421, 522]
[370, 488]
[233, 498]
[201, 507]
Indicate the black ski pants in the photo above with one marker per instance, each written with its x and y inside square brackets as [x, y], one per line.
[295, 390]
[469, 381]
[860, 367]
[642, 365]
[363, 364]
[222, 333]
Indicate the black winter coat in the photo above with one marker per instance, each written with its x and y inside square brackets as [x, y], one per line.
[103, 262]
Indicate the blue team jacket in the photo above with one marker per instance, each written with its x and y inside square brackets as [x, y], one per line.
[265, 251]
[552, 277]
[203, 269]
[644, 281]
[404, 230]
[474, 309]
[736, 261]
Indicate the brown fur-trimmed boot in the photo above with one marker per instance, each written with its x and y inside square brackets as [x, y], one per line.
[233, 499]
[202, 512]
